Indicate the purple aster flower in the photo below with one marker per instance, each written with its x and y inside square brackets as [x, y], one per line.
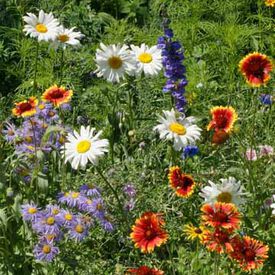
[106, 224]
[10, 132]
[86, 205]
[98, 208]
[190, 151]
[266, 99]
[129, 190]
[67, 217]
[72, 199]
[30, 212]
[90, 190]
[78, 230]
[51, 238]
[129, 205]
[66, 107]
[48, 224]
[45, 251]
[53, 209]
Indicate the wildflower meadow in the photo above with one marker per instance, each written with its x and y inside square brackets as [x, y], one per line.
[137, 137]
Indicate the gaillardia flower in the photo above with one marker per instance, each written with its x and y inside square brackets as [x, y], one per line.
[270, 3]
[249, 253]
[218, 240]
[182, 130]
[223, 118]
[45, 27]
[113, 62]
[148, 59]
[57, 95]
[148, 232]
[144, 270]
[182, 183]
[84, 147]
[25, 108]
[194, 232]
[256, 67]
[229, 191]
[221, 215]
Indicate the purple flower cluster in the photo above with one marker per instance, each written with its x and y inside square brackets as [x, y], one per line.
[29, 138]
[75, 220]
[130, 193]
[190, 151]
[174, 70]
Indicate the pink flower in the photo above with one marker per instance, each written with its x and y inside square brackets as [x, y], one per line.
[251, 154]
[265, 150]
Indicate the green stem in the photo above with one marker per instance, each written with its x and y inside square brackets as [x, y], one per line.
[114, 192]
[216, 264]
[35, 67]
[171, 260]
[130, 106]
[61, 66]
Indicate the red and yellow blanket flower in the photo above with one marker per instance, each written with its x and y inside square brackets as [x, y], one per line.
[255, 67]
[25, 108]
[221, 215]
[57, 95]
[249, 253]
[182, 183]
[148, 232]
[145, 270]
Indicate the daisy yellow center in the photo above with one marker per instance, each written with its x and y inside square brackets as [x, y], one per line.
[63, 38]
[28, 139]
[46, 249]
[99, 206]
[79, 228]
[50, 237]
[50, 221]
[32, 210]
[68, 217]
[145, 58]
[41, 28]
[115, 62]
[177, 128]
[83, 146]
[224, 197]
[75, 195]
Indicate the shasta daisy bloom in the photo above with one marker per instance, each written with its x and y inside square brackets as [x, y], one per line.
[218, 240]
[149, 60]
[148, 232]
[113, 62]
[229, 191]
[68, 37]
[182, 183]
[249, 253]
[25, 108]
[221, 215]
[256, 67]
[145, 270]
[57, 95]
[194, 232]
[270, 3]
[223, 118]
[84, 146]
[45, 251]
[44, 27]
[181, 130]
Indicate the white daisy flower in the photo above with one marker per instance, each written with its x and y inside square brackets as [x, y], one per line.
[229, 191]
[67, 37]
[45, 27]
[84, 147]
[273, 206]
[181, 130]
[148, 60]
[113, 62]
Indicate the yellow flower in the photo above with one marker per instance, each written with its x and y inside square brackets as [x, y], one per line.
[194, 232]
